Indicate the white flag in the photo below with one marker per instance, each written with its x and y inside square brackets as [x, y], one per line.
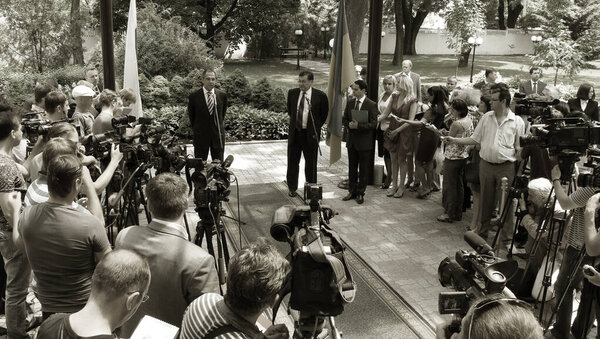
[130, 76]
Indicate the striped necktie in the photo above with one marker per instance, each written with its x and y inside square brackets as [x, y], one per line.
[211, 103]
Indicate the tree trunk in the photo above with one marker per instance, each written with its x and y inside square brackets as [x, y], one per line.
[501, 24]
[77, 40]
[514, 10]
[463, 58]
[355, 17]
[411, 26]
[399, 47]
[210, 28]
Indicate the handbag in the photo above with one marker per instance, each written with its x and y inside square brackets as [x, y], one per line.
[472, 168]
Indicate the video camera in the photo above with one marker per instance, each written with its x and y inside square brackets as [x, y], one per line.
[593, 162]
[210, 181]
[320, 282]
[532, 107]
[473, 274]
[34, 127]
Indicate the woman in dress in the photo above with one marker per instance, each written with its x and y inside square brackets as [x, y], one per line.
[455, 159]
[398, 137]
[389, 83]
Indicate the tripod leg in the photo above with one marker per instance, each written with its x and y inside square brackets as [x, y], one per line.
[225, 249]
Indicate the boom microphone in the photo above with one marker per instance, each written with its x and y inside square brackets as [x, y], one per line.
[478, 243]
[227, 162]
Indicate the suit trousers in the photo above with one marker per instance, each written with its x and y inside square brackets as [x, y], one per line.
[490, 178]
[301, 144]
[201, 151]
[358, 170]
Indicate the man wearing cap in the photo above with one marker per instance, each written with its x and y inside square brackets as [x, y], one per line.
[84, 97]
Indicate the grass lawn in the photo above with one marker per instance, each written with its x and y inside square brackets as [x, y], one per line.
[433, 69]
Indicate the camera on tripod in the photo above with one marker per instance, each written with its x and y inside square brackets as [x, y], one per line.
[593, 162]
[472, 275]
[210, 181]
[532, 107]
[320, 282]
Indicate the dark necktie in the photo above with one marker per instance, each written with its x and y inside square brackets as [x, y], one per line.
[535, 87]
[357, 105]
[211, 103]
[300, 112]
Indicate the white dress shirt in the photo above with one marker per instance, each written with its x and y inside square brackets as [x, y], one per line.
[305, 112]
[583, 104]
[499, 142]
[171, 225]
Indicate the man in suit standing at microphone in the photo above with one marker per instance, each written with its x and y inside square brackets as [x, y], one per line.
[308, 108]
[206, 109]
[360, 139]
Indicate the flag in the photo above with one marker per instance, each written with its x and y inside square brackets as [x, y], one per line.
[130, 76]
[341, 75]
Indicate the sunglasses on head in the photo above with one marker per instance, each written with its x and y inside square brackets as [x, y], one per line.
[486, 305]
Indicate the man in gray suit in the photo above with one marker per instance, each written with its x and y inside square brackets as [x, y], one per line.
[181, 271]
[416, 78]
[535, 85]
[360, 140]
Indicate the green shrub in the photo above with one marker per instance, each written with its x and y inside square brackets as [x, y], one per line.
[237, 87]
[156, 92]
[248, 123]
[172, 115]
[265, 96]
[179, 93]
[193, 80]
[513, 82]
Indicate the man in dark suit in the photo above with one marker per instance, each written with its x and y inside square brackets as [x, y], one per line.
[360, 140]
[206, 109]
[535, 85]
[308, 108]
[416, 78]
[180, 270]
[485, 84]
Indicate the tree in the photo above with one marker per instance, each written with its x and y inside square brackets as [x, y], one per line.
[77, 40]
[559, 51]
[356, 10]
[464, 19]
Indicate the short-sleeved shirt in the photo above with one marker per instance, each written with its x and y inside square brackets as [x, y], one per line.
[58, 326]
[35, 166]
[103, 123]
[60, 242]
[209, 312]
[85, 120]
[498, 142]
[10, 180]
[37, 193]
[580, 197]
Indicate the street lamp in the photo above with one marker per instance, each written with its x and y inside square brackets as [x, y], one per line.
[382, 34]
[298, 34]
[535, 39]
[325, 31]
[474, 42]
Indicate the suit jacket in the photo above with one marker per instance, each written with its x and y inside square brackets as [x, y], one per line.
[416, 79]
[204, 125]
[591, 110]
[362, 137]
[525, 87]
[180, 272]
[319, 106]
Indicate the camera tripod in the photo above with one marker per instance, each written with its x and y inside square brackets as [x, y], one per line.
[308, 326]
[210, 224]
[132, 193]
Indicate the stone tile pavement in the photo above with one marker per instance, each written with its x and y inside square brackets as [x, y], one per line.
[399, 238]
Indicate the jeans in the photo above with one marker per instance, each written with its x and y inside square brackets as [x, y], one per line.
[453, 189]
[18, 277]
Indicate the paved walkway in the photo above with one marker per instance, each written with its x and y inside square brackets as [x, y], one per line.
[399, 238]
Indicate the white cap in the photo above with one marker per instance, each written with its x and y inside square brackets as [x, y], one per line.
[83, 91]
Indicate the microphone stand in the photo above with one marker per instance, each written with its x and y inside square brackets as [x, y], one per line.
[312, 118]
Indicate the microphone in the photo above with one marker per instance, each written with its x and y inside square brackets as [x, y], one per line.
[478, 243]
[227, 162]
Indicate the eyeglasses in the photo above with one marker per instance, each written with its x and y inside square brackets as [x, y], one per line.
[144, 298]
[486, 305]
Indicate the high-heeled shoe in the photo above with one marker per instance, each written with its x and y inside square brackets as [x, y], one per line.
[391, 191]
[399, 193]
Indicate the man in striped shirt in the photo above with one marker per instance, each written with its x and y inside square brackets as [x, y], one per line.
[256, 275]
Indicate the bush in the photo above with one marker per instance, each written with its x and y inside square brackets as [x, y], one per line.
[237, 87]
[248, 123]
[193, 80]
[155, 93]
[179, 93]
[172, 115]
[265, 96]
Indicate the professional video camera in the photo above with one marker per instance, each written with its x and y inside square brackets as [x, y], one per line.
[210, 181]
[593, 162]
[34, 127]
[320, 281]
[532, 107]
[474, 274]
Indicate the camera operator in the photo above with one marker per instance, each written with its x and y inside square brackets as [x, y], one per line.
[256, 275]
[109, 101]
[575, 241]
[119, 286]
[63, 244]
[497, 133]
[496, 317]
[181, 271]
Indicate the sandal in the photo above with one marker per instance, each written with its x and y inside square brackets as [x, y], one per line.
[391, 191]
[444, 218]
[399, 194]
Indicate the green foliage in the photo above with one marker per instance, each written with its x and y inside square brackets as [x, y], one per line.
[265, 96]
[165, 46]
[237, 87]
[558, 51]
[172, 115]
[248, 123]
[179, 93]
[193, 80]
[155, 93]
[464, 19]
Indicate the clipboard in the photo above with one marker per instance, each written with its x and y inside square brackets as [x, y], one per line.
[360, 116]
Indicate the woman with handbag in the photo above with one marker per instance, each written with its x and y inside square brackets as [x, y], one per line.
[454, 163]
[398, 137]
[389, 83]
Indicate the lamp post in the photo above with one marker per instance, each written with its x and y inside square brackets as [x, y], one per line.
[535, 39]
[325, 31]
[298, 34]
[474, 42]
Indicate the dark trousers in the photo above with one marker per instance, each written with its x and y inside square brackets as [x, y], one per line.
[490, 178]
[588, 311]
[358, 170]
[201, 151]
[300, 145]
[453, 188]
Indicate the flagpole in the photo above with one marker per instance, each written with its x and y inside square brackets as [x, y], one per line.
[373, 57]
[108, 50]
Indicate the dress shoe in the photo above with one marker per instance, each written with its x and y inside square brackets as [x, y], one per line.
[348, 197]
[292, 193]
[360, 199]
